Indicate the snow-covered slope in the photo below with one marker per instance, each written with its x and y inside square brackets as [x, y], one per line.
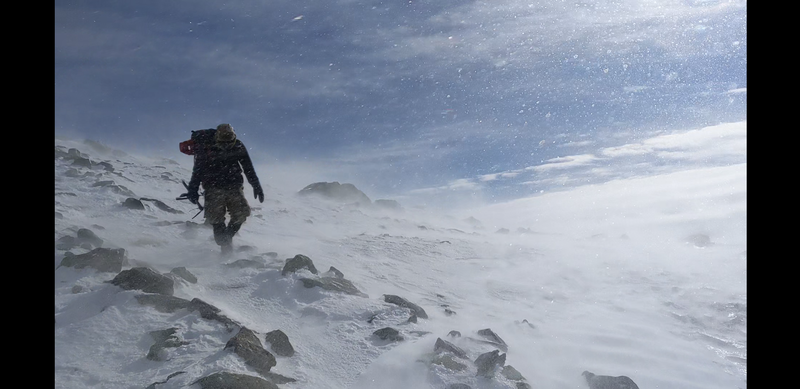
[669, 314]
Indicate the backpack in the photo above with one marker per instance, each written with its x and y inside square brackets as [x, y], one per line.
[197, 142]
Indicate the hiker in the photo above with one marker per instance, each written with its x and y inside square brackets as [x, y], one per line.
[219, 169]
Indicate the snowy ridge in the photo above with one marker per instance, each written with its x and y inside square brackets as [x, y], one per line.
[563, 304]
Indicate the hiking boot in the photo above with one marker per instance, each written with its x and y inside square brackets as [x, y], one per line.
[220, 235]
[226, 249]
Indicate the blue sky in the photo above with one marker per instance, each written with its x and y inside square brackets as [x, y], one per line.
[490, 100]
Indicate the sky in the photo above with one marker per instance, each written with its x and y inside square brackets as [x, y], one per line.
[468, 101]
[641, 276]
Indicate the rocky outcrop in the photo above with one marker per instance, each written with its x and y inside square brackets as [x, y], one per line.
[246, 345]
[279, 343]
[397, 300]
[146, 280]
[100, 259]
[608, 382]
[335, 284]
[84, 238]
[298, 262]
[226, 380]
[163, 339]
[388, 333]
[487, 363]
[334, 191]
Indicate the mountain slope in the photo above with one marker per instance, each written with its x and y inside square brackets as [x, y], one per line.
[561, 304]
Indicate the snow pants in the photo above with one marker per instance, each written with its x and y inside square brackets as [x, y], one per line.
[220, 202]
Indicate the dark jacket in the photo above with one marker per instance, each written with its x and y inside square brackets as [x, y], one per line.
[218, 166]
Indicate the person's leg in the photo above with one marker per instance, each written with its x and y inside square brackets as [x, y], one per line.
[215, 210]
[239, 211]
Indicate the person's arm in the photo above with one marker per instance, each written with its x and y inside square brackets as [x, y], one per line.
[250, 173]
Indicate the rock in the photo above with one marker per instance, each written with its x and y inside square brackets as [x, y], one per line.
[699, 240]
[185, 274]
[447, 361]
[445, 346]
[488, 362]
[511, 373]
[389, 333]
[397, 300]
[345, 193]
[226, 380]
[247, 263]
[86, 235]
[247, 346]
[160, 205]
[163, 339]
[493, 339]
[333, 284]
[280, 343]
[132, 203]
[298, 262]
[608, 382]
[162, 303]
[144, 279]
[66, 242]
[458, 386]
[210, 312]
[153, 385]
[334, 272]
[100, 259]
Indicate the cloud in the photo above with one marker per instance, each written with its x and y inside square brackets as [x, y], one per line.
[724, 140]
[568, 162]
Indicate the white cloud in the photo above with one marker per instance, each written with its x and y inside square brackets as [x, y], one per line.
[564, 162]
[729, 139]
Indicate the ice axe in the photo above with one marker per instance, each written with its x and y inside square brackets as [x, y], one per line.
[185, 196]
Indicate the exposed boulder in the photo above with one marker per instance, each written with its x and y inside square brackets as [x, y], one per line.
[153, 385]
[699, 240]
[492, 339]
[144, 279]
[100, 259]
[210, 312]
[449, 362]
[162, 303]
[334, 272]
[487, 363]
[458, 386]
[608, 382]
[298, 262]
[247, 263]
[279, 343]
[227, 380]
[184, 274]
[88, 236]
[511, 373]
[163, 339]
[85, 238]
[397, 300]
[389, 333]
[135, 204]
[343, 193]
[246, 345]
[161, 205]
[445, 346]
[335, 284]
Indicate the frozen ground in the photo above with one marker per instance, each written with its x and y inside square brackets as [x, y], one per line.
[639, 277]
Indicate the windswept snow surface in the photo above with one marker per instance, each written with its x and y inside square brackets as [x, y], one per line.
[604, 278]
